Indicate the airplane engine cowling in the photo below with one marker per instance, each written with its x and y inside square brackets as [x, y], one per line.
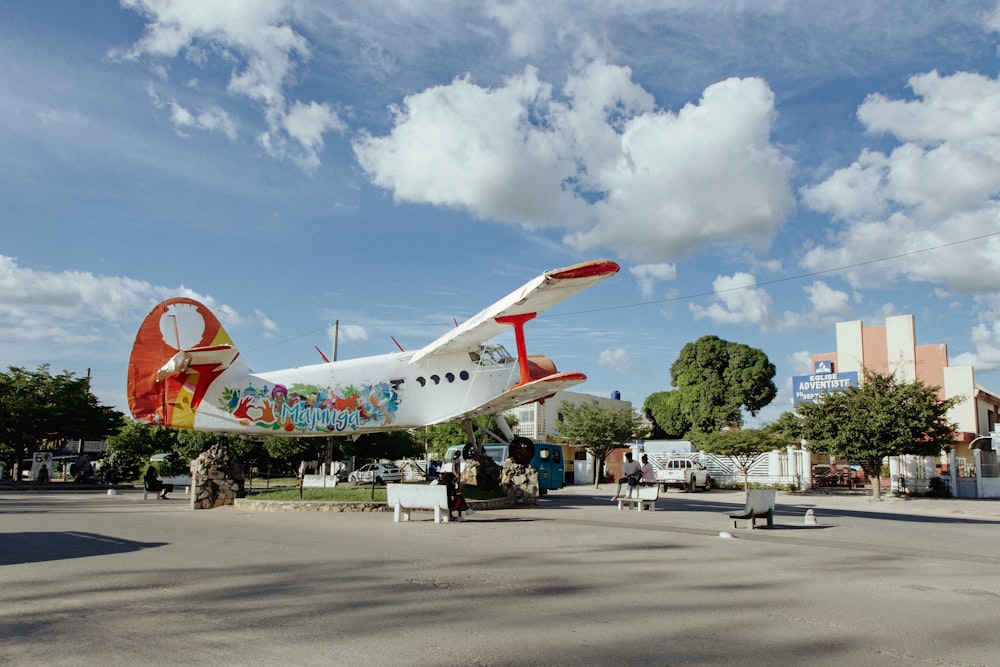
[540, 366]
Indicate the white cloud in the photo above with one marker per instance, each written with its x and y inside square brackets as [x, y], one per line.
[617, 360]
[603, 163]
[213, 119]
[256, 34]
[70, 306]
[649, 274]
[739, 301]
[985, 337]
[937, 187]
[525, 22]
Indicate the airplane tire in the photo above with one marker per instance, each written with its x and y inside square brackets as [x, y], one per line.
[522, 450]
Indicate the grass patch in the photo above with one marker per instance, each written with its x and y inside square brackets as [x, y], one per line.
[354, 494]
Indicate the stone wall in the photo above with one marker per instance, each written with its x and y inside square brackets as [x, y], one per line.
[216, 477]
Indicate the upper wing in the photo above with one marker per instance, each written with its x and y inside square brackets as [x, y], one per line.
[535, 296]
[519, 395]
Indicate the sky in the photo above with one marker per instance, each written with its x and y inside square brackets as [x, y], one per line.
[760, 171]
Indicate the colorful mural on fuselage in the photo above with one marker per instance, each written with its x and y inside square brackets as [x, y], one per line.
[311, 409]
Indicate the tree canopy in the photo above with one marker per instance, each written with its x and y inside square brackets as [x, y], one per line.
[40, 409]
[881, 417]
[597, 429]
[743, 446]
[716, 381]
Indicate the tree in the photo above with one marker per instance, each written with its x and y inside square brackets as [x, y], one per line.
[40, 409]
[882, 417]
[597, 430]
[130, 448]
[743, 446]
[716, 380]
[664, 410]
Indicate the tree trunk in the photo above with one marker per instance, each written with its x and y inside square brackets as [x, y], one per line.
[877, 486]
[598, 467]
[746, 485]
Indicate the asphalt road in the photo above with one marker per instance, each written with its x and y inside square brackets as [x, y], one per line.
[89, 579]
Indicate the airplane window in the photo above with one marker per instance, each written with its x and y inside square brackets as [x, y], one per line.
[450, 377]
[475, 357]
[464, 375]
[422, 381]
[435, 379]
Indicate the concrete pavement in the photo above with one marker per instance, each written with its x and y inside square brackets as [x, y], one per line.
[115, 580]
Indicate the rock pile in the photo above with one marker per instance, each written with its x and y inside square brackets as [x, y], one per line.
[519, 482]
[480, 470]
[216, 478]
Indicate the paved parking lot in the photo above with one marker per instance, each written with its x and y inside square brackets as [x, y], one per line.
[87, 579]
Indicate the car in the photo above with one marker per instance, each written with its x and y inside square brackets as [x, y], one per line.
[684, 474]
[380, 473]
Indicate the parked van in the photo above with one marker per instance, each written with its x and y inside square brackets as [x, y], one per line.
[548, 462]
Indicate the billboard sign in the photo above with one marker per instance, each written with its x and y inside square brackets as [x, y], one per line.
[809, 388]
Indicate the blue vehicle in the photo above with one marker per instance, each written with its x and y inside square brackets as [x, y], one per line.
[547, 459]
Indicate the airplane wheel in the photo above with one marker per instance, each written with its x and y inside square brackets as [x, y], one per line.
[522, 450]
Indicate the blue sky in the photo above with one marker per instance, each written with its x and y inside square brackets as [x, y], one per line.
[760, 171]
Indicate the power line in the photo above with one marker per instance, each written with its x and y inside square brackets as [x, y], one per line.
[775, 281]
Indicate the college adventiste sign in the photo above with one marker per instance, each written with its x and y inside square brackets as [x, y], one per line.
[809, 388]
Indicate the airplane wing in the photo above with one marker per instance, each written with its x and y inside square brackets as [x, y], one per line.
[535, 296]
[520, 395]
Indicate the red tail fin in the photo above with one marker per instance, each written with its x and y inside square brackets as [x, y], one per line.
[180, 349]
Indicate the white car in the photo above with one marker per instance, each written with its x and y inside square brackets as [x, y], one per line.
[379, 472]
[683, 474]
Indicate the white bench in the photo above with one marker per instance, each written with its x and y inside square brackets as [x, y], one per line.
[759, 505]
[404, 498]
[642, 497]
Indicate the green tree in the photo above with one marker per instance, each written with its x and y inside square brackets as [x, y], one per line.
[664, 410]
[716, 381]
[882, 417]
[598, 430]
[130, 448]
[743, 446]
[38, 409]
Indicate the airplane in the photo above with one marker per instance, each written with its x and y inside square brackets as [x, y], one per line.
[186, 372]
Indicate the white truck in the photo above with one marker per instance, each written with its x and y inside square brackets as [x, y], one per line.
[683, 473]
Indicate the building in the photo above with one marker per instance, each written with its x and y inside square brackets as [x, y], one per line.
[892, 348]
[540, 420]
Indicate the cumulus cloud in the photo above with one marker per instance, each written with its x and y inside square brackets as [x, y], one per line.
[937, 187]
[598, 160]
[256, 34]
[649, 274]
[617, 360]
[739, 301]
[62, 307]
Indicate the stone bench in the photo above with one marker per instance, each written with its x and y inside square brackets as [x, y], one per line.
[404, 498]
[641, 497]
[759, 505]
[178, 482]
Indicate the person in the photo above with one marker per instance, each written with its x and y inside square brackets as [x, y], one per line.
[154, 483]
[456, 465]
[647, 472]
[631, 471]
[43, 475]
[456, 501]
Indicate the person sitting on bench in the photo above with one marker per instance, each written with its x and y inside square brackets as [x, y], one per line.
[154, 484]
[632, 472]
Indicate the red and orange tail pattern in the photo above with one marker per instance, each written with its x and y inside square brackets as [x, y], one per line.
[173, 326]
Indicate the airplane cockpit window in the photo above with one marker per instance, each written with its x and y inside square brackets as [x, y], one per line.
[492, 355]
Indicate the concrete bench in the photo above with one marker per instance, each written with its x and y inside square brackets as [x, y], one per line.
[178, 482]
[641, 497]
[760, 505]
[404, 498]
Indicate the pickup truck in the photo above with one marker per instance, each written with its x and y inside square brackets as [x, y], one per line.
[683, 474]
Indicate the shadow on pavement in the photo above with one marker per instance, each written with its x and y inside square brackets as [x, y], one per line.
[22, 548]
